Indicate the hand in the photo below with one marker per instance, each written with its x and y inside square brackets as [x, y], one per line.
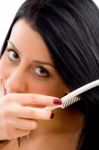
[19, 113]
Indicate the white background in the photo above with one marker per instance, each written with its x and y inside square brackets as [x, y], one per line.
[8, 9]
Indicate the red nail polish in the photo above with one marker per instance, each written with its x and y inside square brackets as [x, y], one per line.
[52, 116]
[57, 101]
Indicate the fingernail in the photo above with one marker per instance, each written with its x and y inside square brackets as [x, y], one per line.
[57, 101]
[52, 116]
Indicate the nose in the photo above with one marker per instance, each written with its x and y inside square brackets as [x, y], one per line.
[16, 82]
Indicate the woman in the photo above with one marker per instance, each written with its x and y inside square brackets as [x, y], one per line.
[51, 49]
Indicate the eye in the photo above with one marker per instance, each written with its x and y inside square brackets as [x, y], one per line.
[12, 55]
[41, 71]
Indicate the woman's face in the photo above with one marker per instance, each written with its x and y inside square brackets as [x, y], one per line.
[26, 65]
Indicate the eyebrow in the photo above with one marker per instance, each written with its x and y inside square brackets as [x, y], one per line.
[44, 63]
[14, 47]
[35, 61]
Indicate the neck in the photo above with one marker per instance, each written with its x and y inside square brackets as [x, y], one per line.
[65, 121]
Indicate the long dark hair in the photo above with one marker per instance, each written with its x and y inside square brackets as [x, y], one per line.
[70, 29]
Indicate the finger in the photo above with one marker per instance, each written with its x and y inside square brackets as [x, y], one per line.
[16, 133]
[30, 99]
[32, 113]
[21, 133]
[10, 132]
[24, 124]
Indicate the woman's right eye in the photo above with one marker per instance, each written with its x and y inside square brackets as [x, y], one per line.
[12, 55]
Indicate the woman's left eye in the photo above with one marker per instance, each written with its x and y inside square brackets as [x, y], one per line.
[41, 71]
[13, 56]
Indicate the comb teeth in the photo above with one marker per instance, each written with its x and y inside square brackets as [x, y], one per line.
[72, 97]
[70, 101]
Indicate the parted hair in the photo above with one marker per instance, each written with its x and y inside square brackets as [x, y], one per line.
[70, 29]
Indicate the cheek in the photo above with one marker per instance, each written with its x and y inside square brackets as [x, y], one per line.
[50, 88]
[56, 88]
[4, 69]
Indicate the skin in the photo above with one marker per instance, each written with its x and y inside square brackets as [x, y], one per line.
[30, 81]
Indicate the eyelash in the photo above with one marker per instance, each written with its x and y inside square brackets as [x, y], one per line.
[45, 71]
[14, 52]
[41, 67]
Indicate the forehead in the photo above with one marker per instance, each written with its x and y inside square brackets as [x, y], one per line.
[29, 41]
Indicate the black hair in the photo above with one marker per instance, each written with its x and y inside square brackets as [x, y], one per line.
[70, 29]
